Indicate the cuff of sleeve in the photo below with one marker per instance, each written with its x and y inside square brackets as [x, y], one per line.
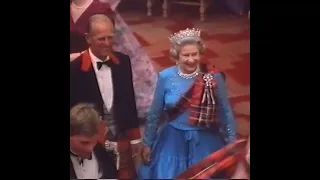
[134, 134]
[136, 141]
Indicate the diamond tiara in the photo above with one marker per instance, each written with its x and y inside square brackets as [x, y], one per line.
[187, 33]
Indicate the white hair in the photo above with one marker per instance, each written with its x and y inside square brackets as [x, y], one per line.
[176, 47]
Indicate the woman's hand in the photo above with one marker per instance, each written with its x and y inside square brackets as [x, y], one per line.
[146, 155]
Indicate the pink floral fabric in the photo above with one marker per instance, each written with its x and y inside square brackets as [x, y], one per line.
[144, 75]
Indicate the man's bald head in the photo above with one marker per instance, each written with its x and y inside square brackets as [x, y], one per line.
[100, 35]
[99, 19]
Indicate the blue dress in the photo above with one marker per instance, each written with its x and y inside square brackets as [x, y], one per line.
[177, 146]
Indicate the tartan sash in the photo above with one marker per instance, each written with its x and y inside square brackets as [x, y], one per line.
[200, 98]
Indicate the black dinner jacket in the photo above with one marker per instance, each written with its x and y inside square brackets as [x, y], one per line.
[106, 164]
[84, 88]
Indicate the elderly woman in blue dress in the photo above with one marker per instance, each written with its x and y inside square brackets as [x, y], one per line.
[192, 97]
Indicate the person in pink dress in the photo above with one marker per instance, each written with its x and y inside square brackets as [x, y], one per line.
[144, 75]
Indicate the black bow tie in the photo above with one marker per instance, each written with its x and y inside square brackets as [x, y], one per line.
[108, 63]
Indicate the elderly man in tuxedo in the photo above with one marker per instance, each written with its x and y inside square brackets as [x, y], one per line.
[103, 77]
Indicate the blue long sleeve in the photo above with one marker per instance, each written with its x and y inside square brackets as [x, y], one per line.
[154, 113]
[227, 119]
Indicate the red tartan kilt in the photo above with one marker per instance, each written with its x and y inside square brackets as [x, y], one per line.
[102, 132]
[126, 169]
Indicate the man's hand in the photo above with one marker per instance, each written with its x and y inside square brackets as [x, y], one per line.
[136, 152]
[136, 149]
[146, 155]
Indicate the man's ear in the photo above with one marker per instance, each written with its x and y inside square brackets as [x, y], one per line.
[88, 38]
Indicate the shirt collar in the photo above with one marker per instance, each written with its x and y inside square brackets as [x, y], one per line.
[95, 59]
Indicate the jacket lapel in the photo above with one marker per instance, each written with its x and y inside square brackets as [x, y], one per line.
[72, 172]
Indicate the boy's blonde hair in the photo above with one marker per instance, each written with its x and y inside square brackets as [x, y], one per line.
[84, 120]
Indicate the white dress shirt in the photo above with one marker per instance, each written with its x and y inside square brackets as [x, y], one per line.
[87, 169]
[104, 78]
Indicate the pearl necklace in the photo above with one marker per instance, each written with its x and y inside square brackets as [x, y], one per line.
[188, 76]
[84, 6]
